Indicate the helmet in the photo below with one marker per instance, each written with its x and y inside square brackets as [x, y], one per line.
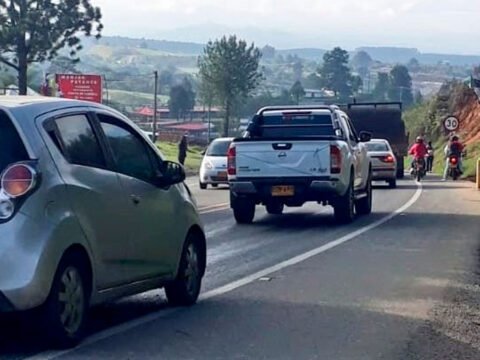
[455, 138]
[419, 139]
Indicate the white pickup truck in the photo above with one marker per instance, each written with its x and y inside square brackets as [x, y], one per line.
[292, 155]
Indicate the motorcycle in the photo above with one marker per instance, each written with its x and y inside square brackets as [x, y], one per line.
[453, 167]
[419, 170]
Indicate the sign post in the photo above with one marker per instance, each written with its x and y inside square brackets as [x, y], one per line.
[80, 87]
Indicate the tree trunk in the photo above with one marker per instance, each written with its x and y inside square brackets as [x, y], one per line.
[22, 67]
[226, 128]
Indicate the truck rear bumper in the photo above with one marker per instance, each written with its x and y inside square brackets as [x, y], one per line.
[260, 190]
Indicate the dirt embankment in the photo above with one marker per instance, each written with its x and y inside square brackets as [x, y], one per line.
[467, 109]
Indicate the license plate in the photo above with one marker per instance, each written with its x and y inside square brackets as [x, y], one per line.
[222, 175]
[283, 190]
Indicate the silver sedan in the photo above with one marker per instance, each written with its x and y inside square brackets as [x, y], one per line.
[384, 162]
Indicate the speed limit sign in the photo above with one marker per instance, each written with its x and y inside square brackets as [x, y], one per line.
[451, 123]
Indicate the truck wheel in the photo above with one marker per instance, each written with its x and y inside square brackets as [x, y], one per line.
[244, 211]
[275, 208]
[364, 205]
[392, 183]
[203, 186]
[344, 207]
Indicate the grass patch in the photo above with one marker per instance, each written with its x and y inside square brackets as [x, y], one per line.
[193, 160]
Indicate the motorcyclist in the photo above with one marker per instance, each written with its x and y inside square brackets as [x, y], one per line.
[453, 148]
[418, 152]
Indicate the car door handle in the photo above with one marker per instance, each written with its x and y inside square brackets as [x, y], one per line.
[135, 199]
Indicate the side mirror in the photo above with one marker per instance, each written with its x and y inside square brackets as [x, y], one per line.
[365, 136]
[171, 173]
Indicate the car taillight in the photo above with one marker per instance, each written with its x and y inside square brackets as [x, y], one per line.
[231, 160]
[388, 159]
[335, 159]
[17, 180]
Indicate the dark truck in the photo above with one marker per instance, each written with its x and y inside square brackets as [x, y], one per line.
[383, 120]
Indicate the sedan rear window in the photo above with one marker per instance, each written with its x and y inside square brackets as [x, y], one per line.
[296, 125]
[12, 149]
[218, 148]
[377, 146]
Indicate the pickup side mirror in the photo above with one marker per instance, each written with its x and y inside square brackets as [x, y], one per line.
[365, 136]
[171, 173]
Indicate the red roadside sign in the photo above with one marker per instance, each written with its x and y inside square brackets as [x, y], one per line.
[80, 87]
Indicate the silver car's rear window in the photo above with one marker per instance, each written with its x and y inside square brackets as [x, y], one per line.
[377, 146]
[12, 148]
[218, 148]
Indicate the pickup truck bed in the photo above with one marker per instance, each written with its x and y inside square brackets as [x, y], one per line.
[292, 156]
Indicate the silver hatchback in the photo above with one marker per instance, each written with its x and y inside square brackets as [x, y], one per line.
[89, 212]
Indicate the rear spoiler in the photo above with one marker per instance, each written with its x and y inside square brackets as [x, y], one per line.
[331, 108]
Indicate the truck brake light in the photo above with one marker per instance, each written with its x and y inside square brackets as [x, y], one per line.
[231, 160]
[335, 159]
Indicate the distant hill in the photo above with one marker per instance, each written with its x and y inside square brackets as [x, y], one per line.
[173, 47]
[403, 55]
[384, 54]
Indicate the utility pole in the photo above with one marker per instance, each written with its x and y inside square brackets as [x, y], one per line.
[154, 136]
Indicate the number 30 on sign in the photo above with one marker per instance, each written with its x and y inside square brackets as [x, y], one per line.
[451, 123]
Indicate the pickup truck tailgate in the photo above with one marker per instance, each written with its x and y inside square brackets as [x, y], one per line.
[266, 159]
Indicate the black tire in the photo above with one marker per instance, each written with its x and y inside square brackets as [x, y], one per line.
[344, 207]
[215, 185]
[69, 296]
[392, 184]
[274, 208]
[244, 211]
[419, 176]
[364, 205]
[202, 186]
[185, 289]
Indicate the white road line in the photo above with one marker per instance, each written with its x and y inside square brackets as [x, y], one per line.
[233, 285]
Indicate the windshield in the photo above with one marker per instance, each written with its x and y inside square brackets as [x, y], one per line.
[377, 146]
[218, 148]
[296, 125]
[11, 147]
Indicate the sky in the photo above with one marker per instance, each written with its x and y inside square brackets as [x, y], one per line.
[441, 26]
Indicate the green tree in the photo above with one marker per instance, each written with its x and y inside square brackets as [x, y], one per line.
[413, 65]
[362, 62]
[231, 68]
[182, 99]
[400, 88]
[336, 74]
[380, 92]
[36, 30]
[297, 91]
[268, 52]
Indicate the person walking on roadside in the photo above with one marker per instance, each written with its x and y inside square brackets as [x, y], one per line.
[430, 156]
[182, 149]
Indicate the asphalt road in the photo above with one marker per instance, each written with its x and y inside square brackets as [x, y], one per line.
[398, 284]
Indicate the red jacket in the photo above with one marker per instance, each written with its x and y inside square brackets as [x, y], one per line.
[418, 150]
